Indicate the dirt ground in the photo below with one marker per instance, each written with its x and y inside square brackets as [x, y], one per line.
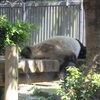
[25, 91]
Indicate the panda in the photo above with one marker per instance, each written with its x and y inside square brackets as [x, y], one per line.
[65, 49]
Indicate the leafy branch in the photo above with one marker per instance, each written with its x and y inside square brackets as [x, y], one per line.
[14, 33]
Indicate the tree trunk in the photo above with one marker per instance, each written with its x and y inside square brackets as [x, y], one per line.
[92, 15]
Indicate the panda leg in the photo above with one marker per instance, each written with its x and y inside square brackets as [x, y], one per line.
[68, 61]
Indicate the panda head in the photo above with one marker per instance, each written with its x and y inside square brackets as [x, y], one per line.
[40, 51]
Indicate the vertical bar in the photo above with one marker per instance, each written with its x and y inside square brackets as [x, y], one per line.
[47, 24]
[51, 18]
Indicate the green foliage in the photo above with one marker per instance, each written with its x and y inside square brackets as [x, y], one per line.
[78, 86]
[41, 95]
[13, 33]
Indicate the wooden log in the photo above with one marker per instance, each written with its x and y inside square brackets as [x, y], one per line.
[32, 66]
[2, 64]
[29, 78]
[2, 79]
[37, 77]
[25, 70]
[11, 73]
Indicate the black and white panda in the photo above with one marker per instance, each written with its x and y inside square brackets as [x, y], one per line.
[62, 48]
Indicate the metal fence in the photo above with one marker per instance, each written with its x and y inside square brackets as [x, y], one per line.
[52, 18]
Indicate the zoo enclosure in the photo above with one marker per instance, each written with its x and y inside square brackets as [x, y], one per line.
[52, 18]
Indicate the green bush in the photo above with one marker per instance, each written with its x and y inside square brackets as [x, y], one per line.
[42, 95]
[78, 86]
[13, 33]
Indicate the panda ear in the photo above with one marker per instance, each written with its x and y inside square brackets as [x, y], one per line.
[26, 52]
[28, 49]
